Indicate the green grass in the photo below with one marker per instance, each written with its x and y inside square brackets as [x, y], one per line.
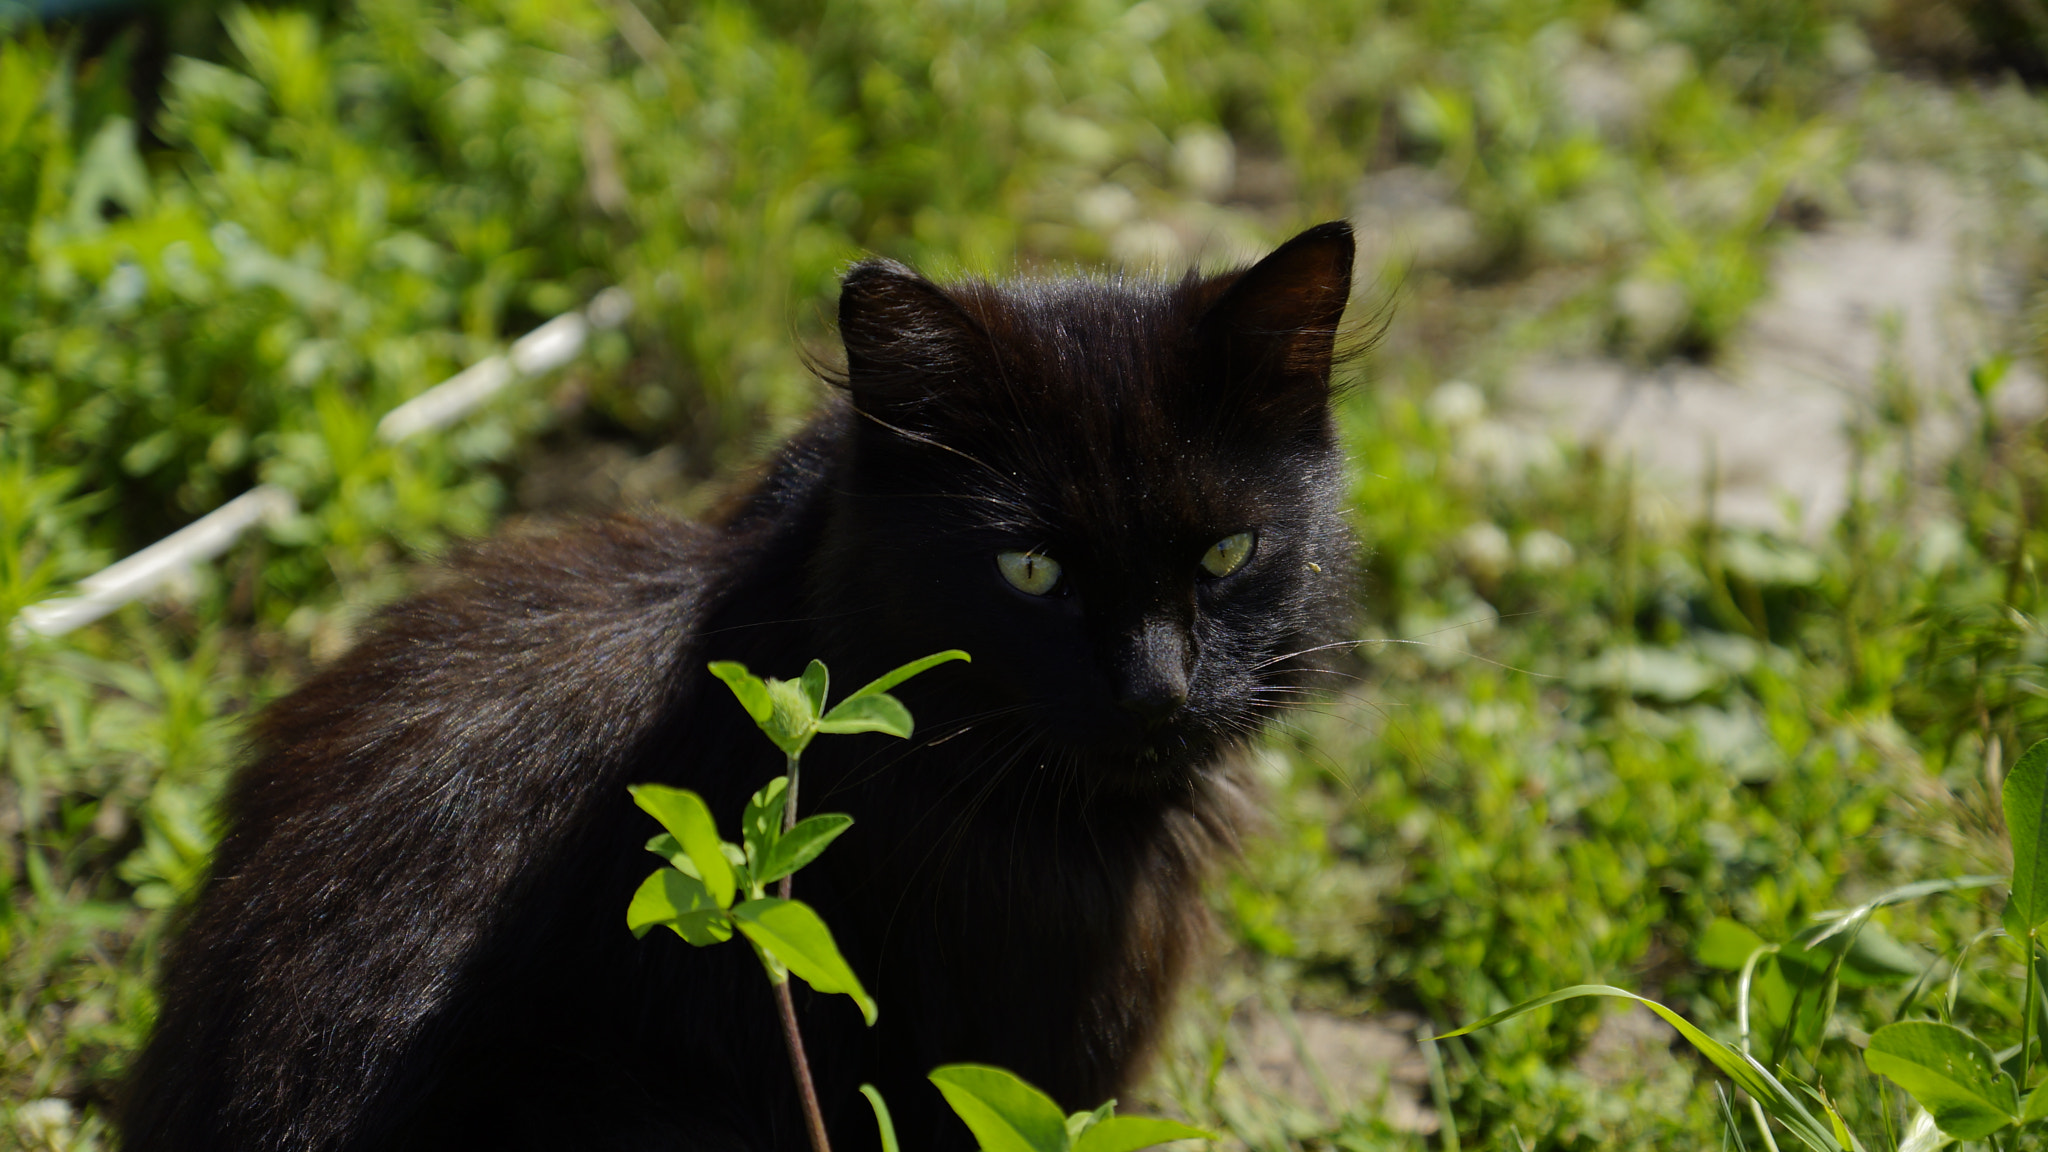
[1651, 726]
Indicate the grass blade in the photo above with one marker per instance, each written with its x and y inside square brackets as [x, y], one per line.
[882, 1120]
[1740, 1067]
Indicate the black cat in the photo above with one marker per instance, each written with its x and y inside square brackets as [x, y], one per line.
[1121, 498]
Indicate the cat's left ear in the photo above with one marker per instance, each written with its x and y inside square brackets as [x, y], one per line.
[1273, 331]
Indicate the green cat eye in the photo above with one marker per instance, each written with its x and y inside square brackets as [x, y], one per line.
[1228, 554]
[1029, 571]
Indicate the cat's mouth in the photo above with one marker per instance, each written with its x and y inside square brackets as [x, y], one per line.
[1142, 753]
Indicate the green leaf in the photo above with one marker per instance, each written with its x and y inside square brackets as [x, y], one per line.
[1921, 1134]
[737, 857]
[670, 899]
[1004, 1113]
[668, 848]
[2036, 1105]
[2026, 810]
[1947, 1071]
[1128, 1133]
[875, 713]
[761, 824]
[795, 935]
[801, 844]
[2040, 1005]
[1786, 995]
[1835, 1121]
[882, 1121]
[815, 681]
[888, 680]
[752, 693]
[1080, 1122]
[683, 813]
[1985, 377]
[1740, 1067]
[1726, 945]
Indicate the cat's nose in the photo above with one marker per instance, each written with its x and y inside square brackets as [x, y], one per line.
[1152, 676]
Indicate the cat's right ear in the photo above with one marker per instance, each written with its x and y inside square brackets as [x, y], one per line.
[908, 343]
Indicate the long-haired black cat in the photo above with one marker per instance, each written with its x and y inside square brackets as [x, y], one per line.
[1121, 498]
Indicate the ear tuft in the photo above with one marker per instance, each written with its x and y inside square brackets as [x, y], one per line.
[1275, 326]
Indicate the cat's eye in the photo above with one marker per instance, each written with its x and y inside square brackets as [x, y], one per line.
[1030, 572]
[1227, 555]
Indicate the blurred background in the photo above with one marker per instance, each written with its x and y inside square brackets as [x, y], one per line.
[1698, 460]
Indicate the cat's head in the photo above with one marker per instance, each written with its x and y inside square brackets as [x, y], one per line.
[1122, 498]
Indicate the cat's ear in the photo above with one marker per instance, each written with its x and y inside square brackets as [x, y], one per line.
[1273, 331]
[907, 341]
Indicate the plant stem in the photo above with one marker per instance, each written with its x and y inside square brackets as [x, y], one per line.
[814, 1118]
[2027, 1016]
[789, 806]
[1884, 1112]
[788, 822]
[785, 1006]
[1763, 1124]
[1742, 987]
[1439, 1089]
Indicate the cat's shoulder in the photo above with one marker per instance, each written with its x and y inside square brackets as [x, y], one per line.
[589, 585]
[611, 565]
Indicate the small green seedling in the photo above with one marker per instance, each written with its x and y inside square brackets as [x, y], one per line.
[695, 895]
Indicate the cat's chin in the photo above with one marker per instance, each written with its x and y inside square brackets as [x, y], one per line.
[1161, 765]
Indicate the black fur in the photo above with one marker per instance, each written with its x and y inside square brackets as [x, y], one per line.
[414, 936]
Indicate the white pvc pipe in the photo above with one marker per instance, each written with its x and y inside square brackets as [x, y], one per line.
[115, 585]
[544, 349]
[447, 401]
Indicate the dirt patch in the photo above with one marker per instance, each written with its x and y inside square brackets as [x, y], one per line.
[1296, 1074]
[1875, 320]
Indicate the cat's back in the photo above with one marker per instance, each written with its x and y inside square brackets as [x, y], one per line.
[391, 804]
[567, 638]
